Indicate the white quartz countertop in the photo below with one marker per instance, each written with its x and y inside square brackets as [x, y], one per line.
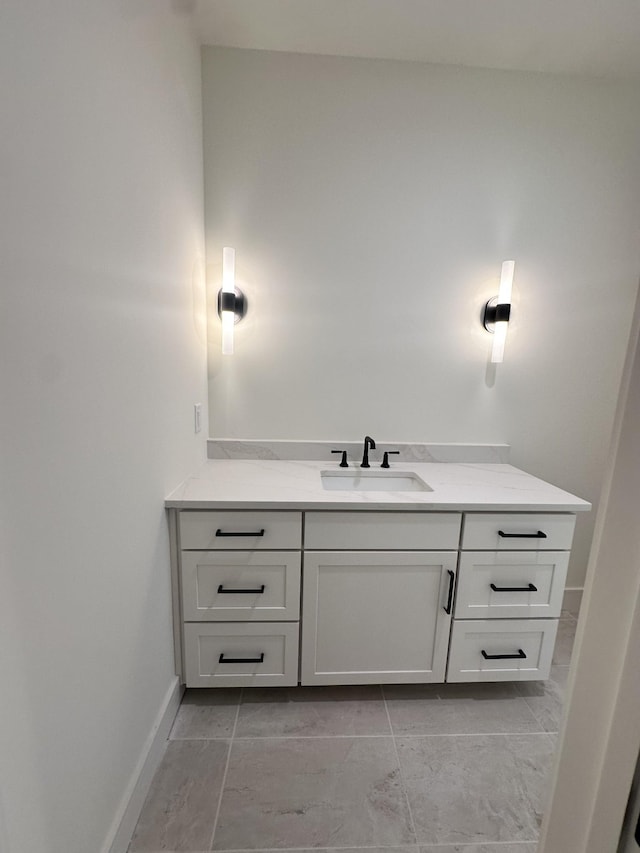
[295, 484]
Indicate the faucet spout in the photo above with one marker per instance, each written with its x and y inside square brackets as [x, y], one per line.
[369, 443]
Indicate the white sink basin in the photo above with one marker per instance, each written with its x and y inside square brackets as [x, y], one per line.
[373, 481]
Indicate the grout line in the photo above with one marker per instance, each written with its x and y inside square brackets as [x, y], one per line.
[379, 737]
[475, 734]
[456, 845]
[219, 737]
[315, 849]
[400, 734]
[472, 845]
[226, 768]
[402, 781]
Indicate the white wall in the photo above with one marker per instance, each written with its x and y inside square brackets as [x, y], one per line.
[371, 204]
[103, 355]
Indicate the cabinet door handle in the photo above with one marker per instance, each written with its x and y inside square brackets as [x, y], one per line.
[259, 590]
[223, 659]
[447, 609]
[520, 656]
[538, 535]
[529, 588]
[249, 533]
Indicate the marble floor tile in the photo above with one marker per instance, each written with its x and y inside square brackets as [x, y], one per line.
[206, 713]
[458, 709]
[476, 789]
[312, 712]
[546, 698]
[179, 812]
[313, 792]
[480, 848]
[567, 614]
[564, 642]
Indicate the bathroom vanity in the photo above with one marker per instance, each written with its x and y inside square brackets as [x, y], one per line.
[281, 579]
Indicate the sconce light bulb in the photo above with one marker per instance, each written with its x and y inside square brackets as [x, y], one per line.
[228, 286]
[506, 282]
[499, 339]
[228, 269]
[228, 321]
[504, 298]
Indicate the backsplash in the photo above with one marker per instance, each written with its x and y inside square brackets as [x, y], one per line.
[226, 448]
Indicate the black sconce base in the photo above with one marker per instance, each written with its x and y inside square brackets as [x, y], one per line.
[236, 302]
[495, 313]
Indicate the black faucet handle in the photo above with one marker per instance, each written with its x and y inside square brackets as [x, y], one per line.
[385, 458]
[343, 461]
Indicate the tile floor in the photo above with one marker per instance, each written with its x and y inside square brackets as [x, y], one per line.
[412, 769]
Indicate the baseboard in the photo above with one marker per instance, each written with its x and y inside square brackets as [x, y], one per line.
[127, 815]
[572, 600]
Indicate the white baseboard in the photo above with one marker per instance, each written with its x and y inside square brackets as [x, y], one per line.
[154, 748]
[572, 600]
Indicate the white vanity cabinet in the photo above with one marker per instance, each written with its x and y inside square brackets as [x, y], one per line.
[512, 573]
[377, 615]
[280, 597]
[239, 583]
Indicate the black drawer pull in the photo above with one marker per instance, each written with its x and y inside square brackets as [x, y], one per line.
[538, 535]
[447, 609]
[223, 659]
[221, 590]
[529, 588]
[250, 533]
[520, 656]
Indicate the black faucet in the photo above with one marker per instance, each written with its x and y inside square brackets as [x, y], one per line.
[368, 443]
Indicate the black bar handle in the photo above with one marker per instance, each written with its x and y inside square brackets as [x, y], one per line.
[520, 656]
[529, 588]
[538, 535]
[447, 609]
[221, 590]
[249, 533]
[223, 659]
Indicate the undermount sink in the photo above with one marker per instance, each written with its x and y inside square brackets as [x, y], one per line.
[373, 481]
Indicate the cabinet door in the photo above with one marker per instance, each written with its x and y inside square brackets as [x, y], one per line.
[376, 618]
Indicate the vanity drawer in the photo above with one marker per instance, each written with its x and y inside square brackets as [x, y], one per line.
[238, 586]
[412, 531]
[517, 531]
[510, 584]
[501, 650]
[228, 654]
[212, 530]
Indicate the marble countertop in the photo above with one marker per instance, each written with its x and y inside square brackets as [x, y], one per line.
[296, 484]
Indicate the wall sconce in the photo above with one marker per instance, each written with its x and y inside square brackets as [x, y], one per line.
[232, 304]
[497, 312]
